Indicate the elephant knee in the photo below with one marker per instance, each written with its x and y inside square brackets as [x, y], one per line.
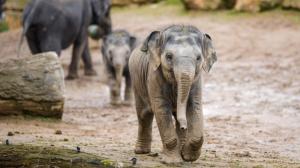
[196, 143]
[171, 143]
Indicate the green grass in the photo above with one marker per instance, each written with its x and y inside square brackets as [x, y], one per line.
[173, 2]
[3, 27]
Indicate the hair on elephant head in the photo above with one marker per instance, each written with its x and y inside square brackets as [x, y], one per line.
[101, 16]
[180, 52]
[116, 50]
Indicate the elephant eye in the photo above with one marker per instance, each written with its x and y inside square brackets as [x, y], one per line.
[198, 58]
[169, 56]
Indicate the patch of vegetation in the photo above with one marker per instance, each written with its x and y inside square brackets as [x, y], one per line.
[34, 156]
[173, 2]
[175, 8]
[3, 26]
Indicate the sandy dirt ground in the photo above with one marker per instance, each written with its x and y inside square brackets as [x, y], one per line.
[251, 97]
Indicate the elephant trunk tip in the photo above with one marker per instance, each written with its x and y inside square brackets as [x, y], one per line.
[182, 124]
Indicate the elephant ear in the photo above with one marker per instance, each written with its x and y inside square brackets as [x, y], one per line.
[152, 46]
[209, 53]
[132, 42]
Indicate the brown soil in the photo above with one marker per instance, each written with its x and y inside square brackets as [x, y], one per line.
[251, 97]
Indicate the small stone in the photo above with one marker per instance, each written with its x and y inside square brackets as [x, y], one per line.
[17, 132]
[58, 132]
[134, 160]
[10, 134]
[66, 139]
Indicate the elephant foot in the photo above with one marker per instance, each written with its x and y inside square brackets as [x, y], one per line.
[115, 102]
[191, 151]
[141, 150]
[72, 76]
[90, 72]
[171, 158]
[142, 147]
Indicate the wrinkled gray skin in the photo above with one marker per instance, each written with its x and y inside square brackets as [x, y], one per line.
[53, 25]
[2, 10]
[166, 76]
[116, 50]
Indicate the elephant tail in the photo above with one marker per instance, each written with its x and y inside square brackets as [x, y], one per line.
[28, 16]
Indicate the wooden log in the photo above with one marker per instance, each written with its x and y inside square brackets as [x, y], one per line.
[38, 156]
[32, 85]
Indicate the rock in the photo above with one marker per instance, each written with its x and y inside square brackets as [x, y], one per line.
[208, 4]
[32, 85]
[291, 4]
[256, 5]
[58, 132]
[10, 134]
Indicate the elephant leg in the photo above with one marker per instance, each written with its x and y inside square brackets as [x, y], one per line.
[145, 118]
[115, 94]
[88, 63]
[171, 143]
[181, 134]
[33, 47]
[32, 43]
[76, 54]
[191, 150]
[128, 91]
[50, 44]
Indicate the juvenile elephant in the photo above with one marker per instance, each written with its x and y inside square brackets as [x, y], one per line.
[116, 50]
[53, 25]
[166, 76]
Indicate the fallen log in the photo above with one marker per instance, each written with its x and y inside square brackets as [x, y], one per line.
[37, 156]
[32, 85]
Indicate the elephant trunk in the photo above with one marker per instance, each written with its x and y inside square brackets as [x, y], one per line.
[184, 74]
[119, 73]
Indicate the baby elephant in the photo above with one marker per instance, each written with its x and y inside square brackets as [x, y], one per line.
[166, 76]
[116, 50]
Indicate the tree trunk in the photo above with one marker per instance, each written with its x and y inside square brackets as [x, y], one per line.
[35, 156]
[32, 85]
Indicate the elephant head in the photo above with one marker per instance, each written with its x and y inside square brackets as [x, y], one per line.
[180, 52]
[101, 16]
[1, 9]
[116, 49]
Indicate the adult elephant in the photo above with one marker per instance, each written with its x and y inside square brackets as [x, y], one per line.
[53, 25]
[1, 9]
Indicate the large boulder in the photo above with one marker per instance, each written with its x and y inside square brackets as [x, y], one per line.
[291, 4]
[32, 85]
[256, 5]
[208, 4]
